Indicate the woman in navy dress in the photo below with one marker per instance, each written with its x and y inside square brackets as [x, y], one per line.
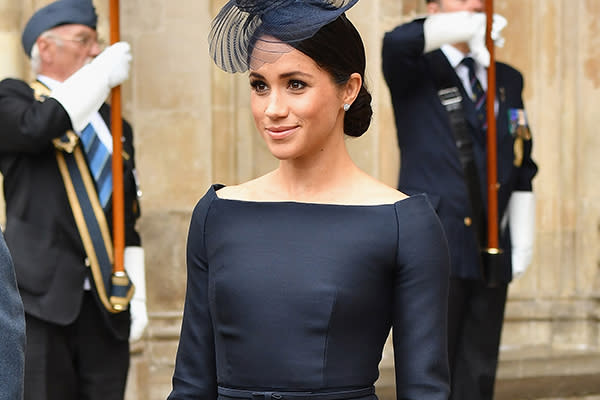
[296, 278]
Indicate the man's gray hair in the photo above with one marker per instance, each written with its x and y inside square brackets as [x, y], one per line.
[36, 60]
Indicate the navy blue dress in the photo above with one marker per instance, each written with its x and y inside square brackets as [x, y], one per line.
[288, 296]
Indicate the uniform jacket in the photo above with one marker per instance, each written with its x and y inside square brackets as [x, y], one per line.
[429, 157]
[12, 326]
[40, 229]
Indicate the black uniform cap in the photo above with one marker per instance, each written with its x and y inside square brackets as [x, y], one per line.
[60, 12]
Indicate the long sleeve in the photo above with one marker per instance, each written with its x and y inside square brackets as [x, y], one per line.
[12, 326]
[420, 306]
[28, 126]
[195, 370]
[402, 56]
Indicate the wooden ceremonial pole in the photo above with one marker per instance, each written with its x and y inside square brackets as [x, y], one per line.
[494, 253]
[116, 127]
[492, 162]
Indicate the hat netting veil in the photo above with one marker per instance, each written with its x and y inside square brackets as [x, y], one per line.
[243, 25]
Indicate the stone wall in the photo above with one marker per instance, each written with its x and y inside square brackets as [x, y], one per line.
[193, 127]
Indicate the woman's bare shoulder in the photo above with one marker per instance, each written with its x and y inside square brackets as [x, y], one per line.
[247, 191]
[378, 192]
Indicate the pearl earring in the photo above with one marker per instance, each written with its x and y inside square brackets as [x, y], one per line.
[346, 106]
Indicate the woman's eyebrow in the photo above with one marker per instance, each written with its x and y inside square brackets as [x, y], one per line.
[282, 76]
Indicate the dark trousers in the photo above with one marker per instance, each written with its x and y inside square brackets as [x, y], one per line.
[475, 316]
[80, 361]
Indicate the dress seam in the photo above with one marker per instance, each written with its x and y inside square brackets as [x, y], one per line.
[327, 336]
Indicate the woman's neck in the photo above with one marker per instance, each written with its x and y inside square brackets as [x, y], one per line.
[321, 178]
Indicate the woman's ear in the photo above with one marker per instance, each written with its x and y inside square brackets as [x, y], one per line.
[352, 88]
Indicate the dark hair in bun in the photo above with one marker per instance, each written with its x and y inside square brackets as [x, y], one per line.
[338, 48]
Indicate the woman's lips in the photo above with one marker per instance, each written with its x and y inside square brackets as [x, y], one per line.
[280, 132]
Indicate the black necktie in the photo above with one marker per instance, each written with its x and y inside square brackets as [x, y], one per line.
[478, 94]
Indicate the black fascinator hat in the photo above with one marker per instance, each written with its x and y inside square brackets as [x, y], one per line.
[243, 25]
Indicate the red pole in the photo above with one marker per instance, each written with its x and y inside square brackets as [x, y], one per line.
[117, 161]
[492, 162]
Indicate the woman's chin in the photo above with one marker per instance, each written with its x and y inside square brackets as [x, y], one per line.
[282, 153]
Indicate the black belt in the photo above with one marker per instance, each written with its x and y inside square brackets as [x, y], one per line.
[274, 395]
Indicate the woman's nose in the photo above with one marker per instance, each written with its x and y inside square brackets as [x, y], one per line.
[276, 106]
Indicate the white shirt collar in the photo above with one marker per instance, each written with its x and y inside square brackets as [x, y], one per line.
[455, 58]
[453, 55]
[49, 82]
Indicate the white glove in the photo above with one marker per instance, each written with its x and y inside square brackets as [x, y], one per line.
[462, 27]
[133, 258]
[521, 220]
[498, 24]
[477, 46]
[83, 93]
[114, 61]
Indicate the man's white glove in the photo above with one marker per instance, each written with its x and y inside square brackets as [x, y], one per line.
[462, 27]
[115, 62]
[521, 220]
[477, 46]
[83, 93]
[134, 265]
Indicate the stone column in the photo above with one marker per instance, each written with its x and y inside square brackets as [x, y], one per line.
[12, 64]
[11, 61]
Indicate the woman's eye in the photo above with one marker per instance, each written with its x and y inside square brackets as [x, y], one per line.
[296, 85]
[258, 86]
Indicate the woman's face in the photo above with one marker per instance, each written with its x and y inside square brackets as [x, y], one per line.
[296, 105]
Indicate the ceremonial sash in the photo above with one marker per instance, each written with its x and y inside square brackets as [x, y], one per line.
[115, 291]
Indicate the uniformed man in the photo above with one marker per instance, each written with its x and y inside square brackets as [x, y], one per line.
[55, 148]
[431, 66]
